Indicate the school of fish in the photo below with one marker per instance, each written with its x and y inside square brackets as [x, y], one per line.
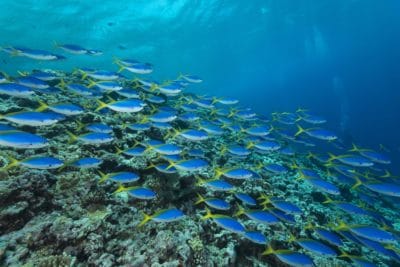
[214, 140]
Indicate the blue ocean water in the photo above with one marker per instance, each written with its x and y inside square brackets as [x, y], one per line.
[338, 59]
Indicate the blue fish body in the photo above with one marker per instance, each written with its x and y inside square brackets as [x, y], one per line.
[256, 237]
[33, 118]
[374, 234]
[129, 93]
[229, 224]
[295, 258]
[134, 151]
[95, 138]
[121, 177]
[238, 151]
[99, 128]
[44, 76]
[238, 173]
[169, 215]
[32, 82]
[351, 208]
[73, 49]
[66, 109]
[246, 199]
[155, 99]
[20, 139]
[316, 247]
[389, 189]
[86, 163]
[139, 126]
[142, 193]
[129, 105]
[164, 168]
[215, 203]
[262, 216]
[219, 185]
[167, 149]
[42, 163]
[80, 89]
[267, 146]
[163, 116]
[16, 90]
[329, 236]
[211, 129]
[286, 206]
[275, 168]
[194, 135]
[286, 217]
[258, 130]
[190, 165]
[355, 161]
[325, 186]
[322, 134]
[189, 117]
[376, 157]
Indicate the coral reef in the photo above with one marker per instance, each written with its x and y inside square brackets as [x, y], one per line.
[65, 217]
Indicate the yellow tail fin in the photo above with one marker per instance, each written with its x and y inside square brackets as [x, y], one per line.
[268, 251]
[150, 166]
[121, 68]
[103, 177]
[62, 84]
[116, 60]
[250, 145]
[309, 226]
[301, 176]
[299, 119]
[332, 157]
[72, 137]
[357, 184]
[171, 164]
[12, 163]
[259, 165]
[265, 199]
[208, 215]
[42, 106]
[80, 125]
[153, 87]
[119, 150]
[301, 110]
[292, 238]
[200, 199]
[23, 73]
[300, 130]
[354, 148]
[328, 200]
[91, 83]
[218, 172]
[172, 133]
[239, 212]
[386, 175]
[145, 220]
[120, 189]
[84, 75]
[101, 105]
[342, 226]
[199, 181]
